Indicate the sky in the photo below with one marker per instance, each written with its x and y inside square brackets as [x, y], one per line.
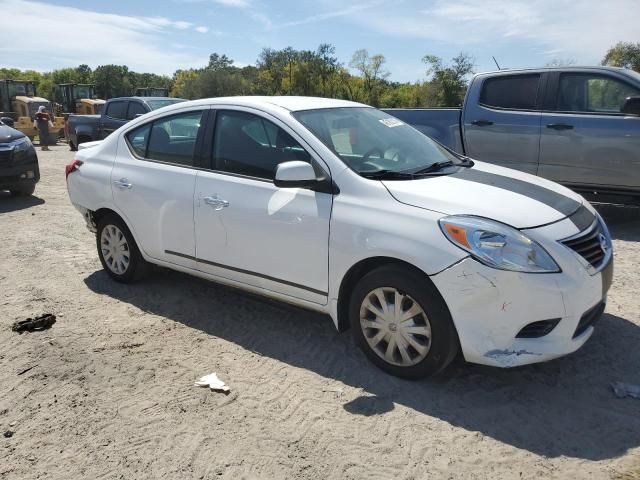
[162, 36]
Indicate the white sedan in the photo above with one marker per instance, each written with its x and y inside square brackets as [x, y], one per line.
[338, 207]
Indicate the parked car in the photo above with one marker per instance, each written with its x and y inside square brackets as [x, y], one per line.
[19, 170]
[115, 113]
[341, 208]
[579, 126]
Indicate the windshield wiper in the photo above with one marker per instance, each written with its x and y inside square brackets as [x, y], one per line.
[388, 175]
[437, 166]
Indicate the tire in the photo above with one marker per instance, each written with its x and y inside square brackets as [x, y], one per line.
[123, 263]
[72, 147]
[23, 191]
[428, 337]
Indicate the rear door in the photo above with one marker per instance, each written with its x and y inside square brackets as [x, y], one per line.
[114, 117]
[501, 120]
[586, 140]
[153, 181]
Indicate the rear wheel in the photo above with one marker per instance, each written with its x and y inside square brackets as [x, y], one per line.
[401, 322]
[118, 252]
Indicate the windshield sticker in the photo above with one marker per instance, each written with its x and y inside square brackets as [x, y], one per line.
[391, 122]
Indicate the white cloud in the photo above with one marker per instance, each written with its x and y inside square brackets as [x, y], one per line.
[233, 3]
[201, 29]
[583, 29]
[82, 36]
[353, 9]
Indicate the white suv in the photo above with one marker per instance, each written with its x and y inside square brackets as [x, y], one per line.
[338, 207]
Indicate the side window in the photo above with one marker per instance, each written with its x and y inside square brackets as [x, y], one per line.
[117, 110]
[517, 92]
[580, 92]
[135, 108]
[138, 139]
[173, 139]
[250, 145]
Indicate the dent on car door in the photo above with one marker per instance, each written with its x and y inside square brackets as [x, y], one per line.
[502, 121]
[586, 140]
[153, 180]
[247, 229]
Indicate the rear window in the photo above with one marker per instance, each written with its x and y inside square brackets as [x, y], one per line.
[518, 92]
[117, 110]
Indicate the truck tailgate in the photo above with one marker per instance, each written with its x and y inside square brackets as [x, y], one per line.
[441, 124]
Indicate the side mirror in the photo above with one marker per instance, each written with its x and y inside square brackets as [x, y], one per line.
[295, 174]
[8, 121]
[631, 106]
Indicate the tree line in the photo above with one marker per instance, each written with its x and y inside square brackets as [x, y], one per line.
[296, 72]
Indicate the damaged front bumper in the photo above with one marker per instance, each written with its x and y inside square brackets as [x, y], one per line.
[490, 308]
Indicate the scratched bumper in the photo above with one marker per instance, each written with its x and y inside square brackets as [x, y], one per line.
[489, 307]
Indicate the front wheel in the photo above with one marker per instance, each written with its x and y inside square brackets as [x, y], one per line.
[401, 322]
[118, 252]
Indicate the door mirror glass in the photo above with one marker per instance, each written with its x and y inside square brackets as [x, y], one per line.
[631, 106]
[295, 174]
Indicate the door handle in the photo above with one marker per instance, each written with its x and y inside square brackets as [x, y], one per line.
[122, 183]
[215, 202]
[560, 126]
[482, 123]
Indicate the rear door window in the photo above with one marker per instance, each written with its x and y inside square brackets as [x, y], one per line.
[173, 139]
[117, 110]
[514, 92]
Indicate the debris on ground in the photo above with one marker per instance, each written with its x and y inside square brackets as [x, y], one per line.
[213, 382]
[623, 390]
[8, 434]
[39, 323]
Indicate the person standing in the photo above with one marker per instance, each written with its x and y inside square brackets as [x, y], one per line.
[42, 122]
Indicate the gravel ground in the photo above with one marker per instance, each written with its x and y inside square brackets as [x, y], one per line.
[108, 391]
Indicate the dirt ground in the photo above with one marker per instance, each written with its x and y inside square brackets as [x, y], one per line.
[107, 392]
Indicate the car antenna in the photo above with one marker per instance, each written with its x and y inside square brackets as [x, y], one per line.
[496, 62]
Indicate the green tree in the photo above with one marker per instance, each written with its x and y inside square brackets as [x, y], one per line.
[371, 68]
[449, 81]
[623, 54]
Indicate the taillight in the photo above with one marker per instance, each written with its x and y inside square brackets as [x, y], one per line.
[72, 167]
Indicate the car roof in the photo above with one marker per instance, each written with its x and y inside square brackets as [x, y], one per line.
[602, 68]
[291, 103]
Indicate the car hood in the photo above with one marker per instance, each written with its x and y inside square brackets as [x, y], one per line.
[508, 196]
[8, 134]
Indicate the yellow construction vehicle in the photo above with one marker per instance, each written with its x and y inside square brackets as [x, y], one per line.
[18, 101]
[77, 98]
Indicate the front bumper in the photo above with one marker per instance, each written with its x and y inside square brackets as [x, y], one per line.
[490, 307]
[18, 175]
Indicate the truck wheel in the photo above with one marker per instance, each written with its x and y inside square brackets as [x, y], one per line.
[402, 323]
[118, 252]
[72, 147]
[23, 191]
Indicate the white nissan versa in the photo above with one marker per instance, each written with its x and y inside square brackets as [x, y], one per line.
[338, 207]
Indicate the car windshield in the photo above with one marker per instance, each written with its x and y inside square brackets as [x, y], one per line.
[369, 141]
[156, 104]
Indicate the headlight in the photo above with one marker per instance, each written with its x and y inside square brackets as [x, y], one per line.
[497, 245]
[21, 144]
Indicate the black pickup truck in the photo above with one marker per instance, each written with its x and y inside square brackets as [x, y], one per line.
[116, 112]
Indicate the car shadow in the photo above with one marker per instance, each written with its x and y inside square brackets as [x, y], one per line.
[564, 407]
[9, 203]
[623, 220]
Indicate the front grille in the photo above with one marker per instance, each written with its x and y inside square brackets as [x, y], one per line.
[588, 244]
[538, 329]
[590, 317]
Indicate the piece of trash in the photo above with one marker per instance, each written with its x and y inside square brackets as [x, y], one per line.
[213, 382]
[39, 323]
[22, 372]
[8, 434]
[626, 390]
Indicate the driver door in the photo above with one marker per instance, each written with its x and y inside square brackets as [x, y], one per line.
[247, 229]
